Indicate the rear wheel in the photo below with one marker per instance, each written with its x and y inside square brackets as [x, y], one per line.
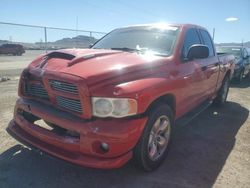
[153, 145]
[223, 92]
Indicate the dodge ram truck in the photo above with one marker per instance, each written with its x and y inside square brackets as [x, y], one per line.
[120, 99]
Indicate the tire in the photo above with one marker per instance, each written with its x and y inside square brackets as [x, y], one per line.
[223, 92]
[152, 148]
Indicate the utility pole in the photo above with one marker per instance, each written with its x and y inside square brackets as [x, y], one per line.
[76, 42]
[45, 39]
[213, 33]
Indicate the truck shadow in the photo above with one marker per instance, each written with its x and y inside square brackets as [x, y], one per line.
[197, 155]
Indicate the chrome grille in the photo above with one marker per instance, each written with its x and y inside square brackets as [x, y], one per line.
[63, 86]
[70, 104]
[36, 89]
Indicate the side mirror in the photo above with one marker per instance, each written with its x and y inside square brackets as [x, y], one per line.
[197, 51]
[91, 45]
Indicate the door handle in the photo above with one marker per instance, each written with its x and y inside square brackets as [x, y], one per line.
[204, 68]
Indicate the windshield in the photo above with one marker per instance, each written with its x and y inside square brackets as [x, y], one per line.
[236, 51]
[141, 39]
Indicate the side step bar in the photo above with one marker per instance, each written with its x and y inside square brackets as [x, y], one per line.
[184, 120]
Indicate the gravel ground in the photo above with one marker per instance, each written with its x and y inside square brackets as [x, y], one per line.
[13, 65]
[213, 150]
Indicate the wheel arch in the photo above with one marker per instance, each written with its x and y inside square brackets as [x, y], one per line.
[168, 99]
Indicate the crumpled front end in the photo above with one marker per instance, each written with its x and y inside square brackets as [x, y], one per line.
[63, 101]
[74, 139]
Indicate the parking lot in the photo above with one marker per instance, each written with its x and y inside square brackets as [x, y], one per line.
[211, 150]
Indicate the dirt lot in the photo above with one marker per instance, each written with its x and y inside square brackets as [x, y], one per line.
[213, 150]
[12, 65]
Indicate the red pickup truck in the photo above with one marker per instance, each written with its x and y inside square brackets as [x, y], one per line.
[120, 99]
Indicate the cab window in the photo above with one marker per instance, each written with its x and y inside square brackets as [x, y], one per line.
[207, 41]
[191, 38]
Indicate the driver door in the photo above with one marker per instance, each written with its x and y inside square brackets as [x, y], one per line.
[193, 75]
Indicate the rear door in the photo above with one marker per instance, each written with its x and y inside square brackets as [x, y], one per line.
[210, 66]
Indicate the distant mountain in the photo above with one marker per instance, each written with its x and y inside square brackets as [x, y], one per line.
[246, 44]
[79, 41]
[82, 41]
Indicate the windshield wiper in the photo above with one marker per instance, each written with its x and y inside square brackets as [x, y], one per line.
[126, 49]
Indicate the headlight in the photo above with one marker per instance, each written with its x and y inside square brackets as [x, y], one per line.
[113, 107]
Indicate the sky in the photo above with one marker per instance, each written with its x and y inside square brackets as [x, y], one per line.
[230, 18]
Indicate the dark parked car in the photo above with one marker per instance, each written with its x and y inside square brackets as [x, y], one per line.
[242, 56]
[15, 49]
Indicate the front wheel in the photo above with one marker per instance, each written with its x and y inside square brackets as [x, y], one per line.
[153, 145]
[223, 92]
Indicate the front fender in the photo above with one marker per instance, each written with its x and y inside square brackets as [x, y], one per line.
[145, 91]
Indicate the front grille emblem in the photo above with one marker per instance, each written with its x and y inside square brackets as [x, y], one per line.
[57, 83]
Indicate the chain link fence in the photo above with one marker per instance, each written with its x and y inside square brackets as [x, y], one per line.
[36, 40]
[34, 37]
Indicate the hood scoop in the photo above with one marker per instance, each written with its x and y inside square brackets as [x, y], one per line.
[59, 55]
[89, 56]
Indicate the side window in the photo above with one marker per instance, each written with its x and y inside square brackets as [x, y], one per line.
[207, 41]
[191, 38]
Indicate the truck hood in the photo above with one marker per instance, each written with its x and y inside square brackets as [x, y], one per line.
[96, 65]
